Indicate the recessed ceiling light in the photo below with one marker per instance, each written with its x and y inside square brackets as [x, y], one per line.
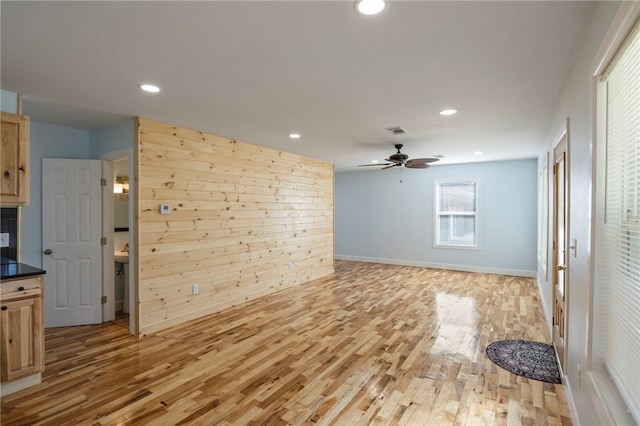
[150, 88]
[477, 153]
[370, 7]
[448, 112]
[294, 135]
[374, 161]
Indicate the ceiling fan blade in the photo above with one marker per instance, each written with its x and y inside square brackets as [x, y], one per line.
[410, 165]
[393, 161]
[422, 160]
[376, 164]
[388, 167]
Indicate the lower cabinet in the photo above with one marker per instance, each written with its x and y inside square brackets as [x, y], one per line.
[21, 329]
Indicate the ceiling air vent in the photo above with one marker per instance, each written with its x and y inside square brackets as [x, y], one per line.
[397, 130]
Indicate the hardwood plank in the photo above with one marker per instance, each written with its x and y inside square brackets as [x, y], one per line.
[370, 344]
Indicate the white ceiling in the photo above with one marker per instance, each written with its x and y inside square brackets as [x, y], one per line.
[256, 71]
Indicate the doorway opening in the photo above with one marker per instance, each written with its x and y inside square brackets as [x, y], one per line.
[121, 241]
[118, 227]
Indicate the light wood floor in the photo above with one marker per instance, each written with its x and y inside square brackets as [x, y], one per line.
[375, 344]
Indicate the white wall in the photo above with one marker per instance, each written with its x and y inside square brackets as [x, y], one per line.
[576, 104]
[379, 218]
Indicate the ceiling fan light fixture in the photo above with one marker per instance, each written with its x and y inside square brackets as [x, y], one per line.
[370, 7]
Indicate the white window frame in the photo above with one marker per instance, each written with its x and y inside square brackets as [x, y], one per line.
[437, 214]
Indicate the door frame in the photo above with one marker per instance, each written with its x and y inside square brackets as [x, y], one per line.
[108, 279]
[562, 137]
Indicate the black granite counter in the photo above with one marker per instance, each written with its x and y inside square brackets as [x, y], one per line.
[10, 269]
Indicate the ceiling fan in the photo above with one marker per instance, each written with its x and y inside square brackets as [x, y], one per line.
[399, 159]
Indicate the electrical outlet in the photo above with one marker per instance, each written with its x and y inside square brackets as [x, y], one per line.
[196, 288]
[4, 239]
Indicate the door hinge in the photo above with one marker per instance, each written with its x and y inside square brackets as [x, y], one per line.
[104, 299]
[103, 182]
[103, 241]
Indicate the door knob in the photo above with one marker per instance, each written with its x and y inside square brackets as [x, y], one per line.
[48, 251]
[560, 268]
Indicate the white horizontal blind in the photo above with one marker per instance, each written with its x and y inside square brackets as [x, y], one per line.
[617, 254]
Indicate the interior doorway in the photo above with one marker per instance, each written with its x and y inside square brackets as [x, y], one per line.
[121, 240]
[560, 245]
[118, 226]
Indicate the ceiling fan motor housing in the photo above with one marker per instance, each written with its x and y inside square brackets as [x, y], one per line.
[398, 156]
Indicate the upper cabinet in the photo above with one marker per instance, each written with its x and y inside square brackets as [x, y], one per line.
[14, 160]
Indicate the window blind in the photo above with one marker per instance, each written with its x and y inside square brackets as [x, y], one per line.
[617, 248]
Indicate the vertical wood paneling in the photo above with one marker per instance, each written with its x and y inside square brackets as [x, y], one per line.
[245, 221]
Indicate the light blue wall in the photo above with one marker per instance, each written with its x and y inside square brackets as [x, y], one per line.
[8, 102]
[51, 141]
[114, 137]
[387, 216]
[47, 141]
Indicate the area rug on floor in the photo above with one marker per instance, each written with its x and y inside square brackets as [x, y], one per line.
[533, 360]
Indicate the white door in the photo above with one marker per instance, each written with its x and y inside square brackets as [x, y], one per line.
[71, 241]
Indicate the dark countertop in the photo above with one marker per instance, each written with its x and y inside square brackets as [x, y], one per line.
[10, 269]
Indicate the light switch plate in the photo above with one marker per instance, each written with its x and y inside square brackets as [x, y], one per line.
[165, 209]
[4, 239]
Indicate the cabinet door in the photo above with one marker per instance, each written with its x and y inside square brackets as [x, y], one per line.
[21, 338]
[14, 160]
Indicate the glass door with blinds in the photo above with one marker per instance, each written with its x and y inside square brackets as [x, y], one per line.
[616, 329]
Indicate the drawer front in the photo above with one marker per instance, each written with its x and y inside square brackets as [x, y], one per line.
[25, 287]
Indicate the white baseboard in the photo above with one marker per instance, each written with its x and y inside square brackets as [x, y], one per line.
[548, 315]
[18, 385]
[447, 266]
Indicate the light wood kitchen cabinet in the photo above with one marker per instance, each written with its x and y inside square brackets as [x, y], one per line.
[21, 328]
[14, 160]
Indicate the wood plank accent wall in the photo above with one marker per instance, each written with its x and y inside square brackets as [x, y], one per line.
[245, 221]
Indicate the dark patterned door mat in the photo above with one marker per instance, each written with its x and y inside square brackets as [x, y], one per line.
[533, 360]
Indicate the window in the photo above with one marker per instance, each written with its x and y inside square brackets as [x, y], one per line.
[616, 284]
[456, 208]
